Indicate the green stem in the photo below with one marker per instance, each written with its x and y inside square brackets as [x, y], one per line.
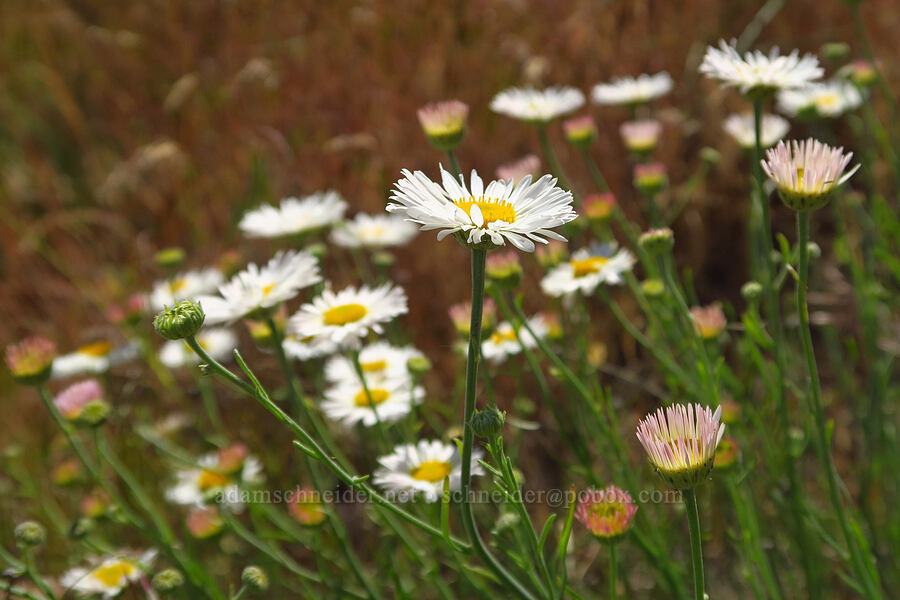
[34, 575]
[454, 165]
[594, 170]
[212, 408]
[613, 571]
[478, 265]
[555, 167]
[690, 506]
[814, 394]
[379, 426]
[353, 481]
[240, 593]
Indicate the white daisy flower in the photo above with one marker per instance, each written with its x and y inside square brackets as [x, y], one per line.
[294, 215]
[411, 470]
[626, 91]
[257, 288]
[504, 342]
[218, 477]
[93, 359]
[379, 361]
[308, 348]
[519, 213]
[109, 576]
[184, 286]
[830, 99]
[586, 269]
[347, 316]
[758, 73]
[742, 129]
[373, 231]
[537, 106]
[392, 398]
[219, 343]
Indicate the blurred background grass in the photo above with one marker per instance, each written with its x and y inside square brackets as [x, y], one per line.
[127, 127]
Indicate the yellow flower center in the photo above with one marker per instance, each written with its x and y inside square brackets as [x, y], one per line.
[491, 209]
[378, 396]
[587, 266]
[431, 470]
[210, 479]
[506, 335]
[96, 349]
[111, 575]
[827, 100]
[347, 313]
[176, 285]
[268, 289]
[375, 365]
[607, 509]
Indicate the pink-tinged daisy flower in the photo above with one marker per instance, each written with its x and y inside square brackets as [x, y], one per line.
[727, 453]
[806, 173]
[641, 137]
[444, 123]
[680, 441]
[607, 513]
[71, 401]
[30, 360]
[461, 315]
[709, 321]
[580, 131]
[305, 505]
[484, 216]
[599, 207]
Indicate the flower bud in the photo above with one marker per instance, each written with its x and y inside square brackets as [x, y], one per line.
[444, 123]
[31, 360]
[167, 580]
[95, 413]
[517, 169]
[255, 579]
[650, 179]
[488, 423]
[653, 288]
[183, 320]
[203, 523]
[384, 259]
[599, 207]
[727, 454]
[752, 291]
[30, 534]
[580, 131]
[418, 366]
[318, 250]
[710, 155]
[657, 241]
[641, 137]
[170, 258]
[503, 269]
[81, 528]
[835, 51]
[813, 250]
[306, 507]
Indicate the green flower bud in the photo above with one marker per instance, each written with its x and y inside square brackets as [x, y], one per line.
[710, 155]
[255, 579]
[488, 423]
[170, 258]
[813, 249]
[81, 528]
[653, 288]
[835, 51]
[180, 321]
[318, 250]
[444, 123]
[657, 241]
[752, 291]
[167, 580]
[94, 413]
[30, 534]
[383, 259]
[418, 365]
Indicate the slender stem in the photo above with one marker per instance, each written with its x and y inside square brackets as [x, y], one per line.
[240, 593]
[355, 482]
[454, 164]
[379, 426]
[478, 265]
[815, 400]
[613, 571]
[212, 407]
[555, 167]
[690, 506]
[594, 170]
[33, 574]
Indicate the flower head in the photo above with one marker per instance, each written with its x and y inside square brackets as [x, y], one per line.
[517, 169]
[384, 400]
[641, 137]
[182, 320]
[580, 131]
[503, 269]
[72, 401]
[31, 360]
[824, 100]
[444, 123]
[587, 269]
[421, 468]
[680, 441]
[650, 178]
[203, 523]
[505, 340]
[629, 91]
[256, 289]
[348, 316]
[727, 453]
[461, 315]
[657, 241]
[599, 207]
[373, 231]
[519, 213]
[807, 172]
[861, 72]
[709, 321]
[742, 129]
[108, 576]
[757, 74]
[306, 507]
[606, 513]
[294, 216]
[93, 358]
[537, 106]
[219, 476]
[379, 361]
[550, 255]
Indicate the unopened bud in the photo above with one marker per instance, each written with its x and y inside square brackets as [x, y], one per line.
[657, 241]
[170, 258]
[418, 365]
[255, 579]
[183, 320]
[167, 580]
[30, 534]
[488, 423]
